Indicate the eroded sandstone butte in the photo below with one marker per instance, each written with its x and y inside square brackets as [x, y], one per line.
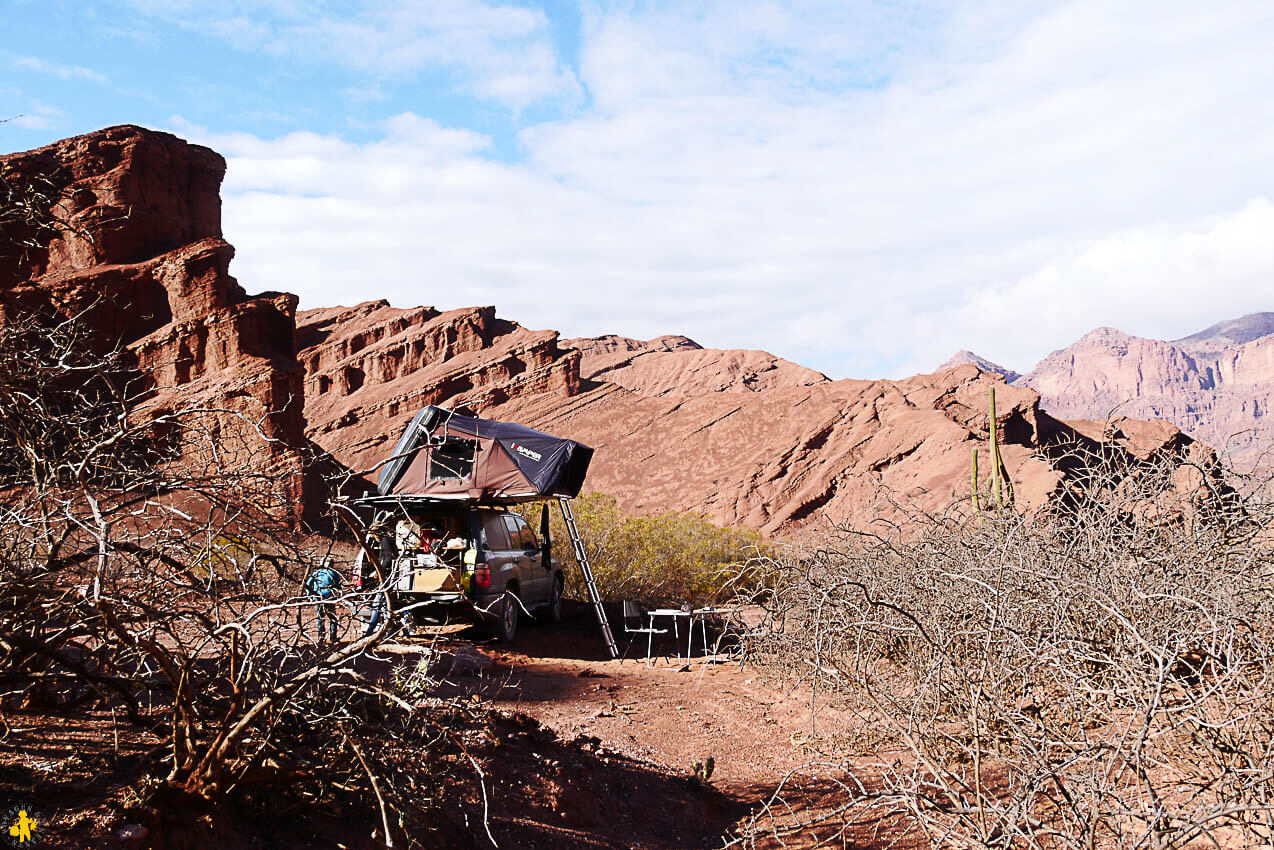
[743, 436]
[136, 246]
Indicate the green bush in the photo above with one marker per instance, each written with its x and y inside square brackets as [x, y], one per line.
[666, 558]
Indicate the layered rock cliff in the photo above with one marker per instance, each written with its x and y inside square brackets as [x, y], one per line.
[369, 368]
[744, 436]
[129, 236]
[1210, 385]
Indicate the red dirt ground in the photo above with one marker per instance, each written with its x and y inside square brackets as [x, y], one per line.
[671, 715]
[581, 751]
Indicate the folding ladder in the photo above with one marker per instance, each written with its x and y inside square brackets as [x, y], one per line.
[582, 558]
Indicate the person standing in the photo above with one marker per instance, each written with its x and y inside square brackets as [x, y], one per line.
[324, 585]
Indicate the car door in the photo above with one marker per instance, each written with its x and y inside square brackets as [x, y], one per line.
[535, 559]
[500, 557]
[522, 543]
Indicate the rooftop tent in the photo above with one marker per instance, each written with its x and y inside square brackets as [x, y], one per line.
[444, 455]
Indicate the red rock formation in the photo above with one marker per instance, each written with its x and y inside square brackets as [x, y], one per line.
[743, 436]
[672, 365]
[369, 368]
[137, 247]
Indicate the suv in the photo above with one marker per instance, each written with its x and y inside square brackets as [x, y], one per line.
[446, 560]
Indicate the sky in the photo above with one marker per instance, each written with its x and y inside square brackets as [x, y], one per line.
[861, 187]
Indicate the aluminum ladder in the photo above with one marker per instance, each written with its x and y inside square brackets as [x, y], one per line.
[581, 557]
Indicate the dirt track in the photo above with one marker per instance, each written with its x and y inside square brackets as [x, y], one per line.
[667, 714]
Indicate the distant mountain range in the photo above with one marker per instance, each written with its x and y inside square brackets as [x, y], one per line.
[1216, 385]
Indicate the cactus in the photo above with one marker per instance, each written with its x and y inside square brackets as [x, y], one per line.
[977, 509]
[999, 485]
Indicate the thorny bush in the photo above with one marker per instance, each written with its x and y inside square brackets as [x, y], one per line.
[1094, 675]
[151, 561]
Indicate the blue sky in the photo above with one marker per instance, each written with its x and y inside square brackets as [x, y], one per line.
[863, 187]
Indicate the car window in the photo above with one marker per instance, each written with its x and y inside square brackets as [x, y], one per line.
[528, 535]
[495, 535]
[515, 531]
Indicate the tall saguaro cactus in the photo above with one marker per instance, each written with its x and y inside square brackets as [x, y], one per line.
[999, 485]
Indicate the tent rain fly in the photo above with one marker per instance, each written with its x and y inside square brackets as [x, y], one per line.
[444, 455]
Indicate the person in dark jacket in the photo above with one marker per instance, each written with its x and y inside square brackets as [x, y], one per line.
[324, 586]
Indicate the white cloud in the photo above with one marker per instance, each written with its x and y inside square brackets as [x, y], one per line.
[498, 51]
[863, 194]
[1164, 281]
[65, 72]
[36, 116]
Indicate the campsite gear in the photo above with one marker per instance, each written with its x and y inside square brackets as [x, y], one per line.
[691, 616]
[457, 561]
[633, 612]
[462, 470]
[581, 557]
[444, 455]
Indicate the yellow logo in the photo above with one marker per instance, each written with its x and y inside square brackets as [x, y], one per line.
[23, 829]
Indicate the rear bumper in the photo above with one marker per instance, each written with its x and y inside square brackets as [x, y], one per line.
[455, 605]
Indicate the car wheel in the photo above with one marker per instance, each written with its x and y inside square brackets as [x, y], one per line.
[507, 624]
[553, 613]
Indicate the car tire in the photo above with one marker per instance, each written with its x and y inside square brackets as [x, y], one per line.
[506, 624]
[553, 611]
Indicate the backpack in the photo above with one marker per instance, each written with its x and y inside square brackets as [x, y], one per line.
[324, 582]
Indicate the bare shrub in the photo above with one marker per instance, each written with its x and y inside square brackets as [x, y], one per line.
[150, 560]
[1097, 675]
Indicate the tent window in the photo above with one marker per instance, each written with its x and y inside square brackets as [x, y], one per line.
[453, 459]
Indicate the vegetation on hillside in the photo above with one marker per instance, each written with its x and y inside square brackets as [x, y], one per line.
[151, 578]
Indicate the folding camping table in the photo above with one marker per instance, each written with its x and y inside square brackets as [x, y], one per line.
[699, 615]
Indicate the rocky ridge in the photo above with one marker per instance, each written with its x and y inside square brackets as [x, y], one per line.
[1216, 385]
[963, 357]
[743, 436]
[1212, 388]
[670, 365]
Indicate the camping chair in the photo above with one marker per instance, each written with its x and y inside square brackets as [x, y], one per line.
[738, 630]
[634, 613]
